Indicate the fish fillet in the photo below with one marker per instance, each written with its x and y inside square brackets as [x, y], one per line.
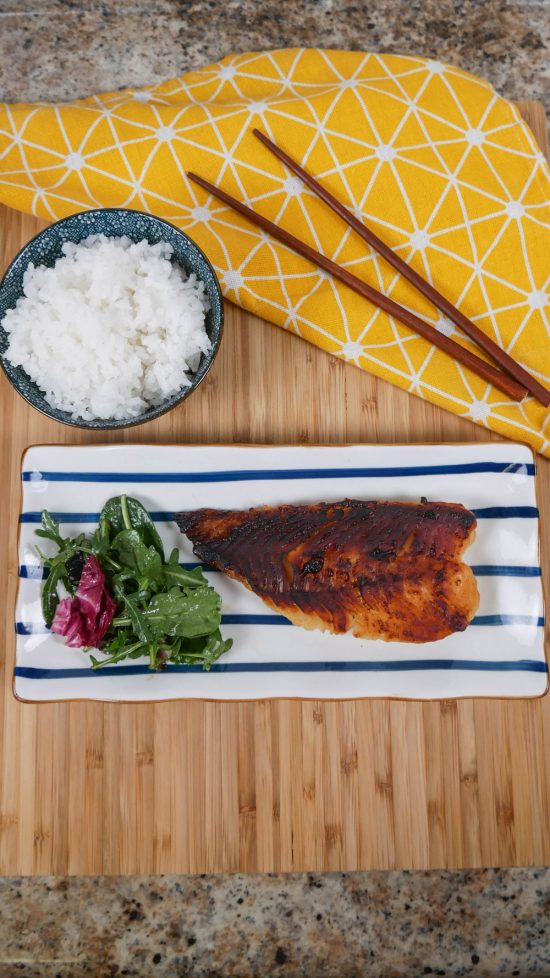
[386, 570]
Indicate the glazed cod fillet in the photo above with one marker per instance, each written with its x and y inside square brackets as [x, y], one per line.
[386, 570]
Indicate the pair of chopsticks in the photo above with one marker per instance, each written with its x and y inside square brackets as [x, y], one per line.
[511, 378]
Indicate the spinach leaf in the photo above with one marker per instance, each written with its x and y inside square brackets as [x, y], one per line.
[127, 543]
[126, 513]
[143, 562]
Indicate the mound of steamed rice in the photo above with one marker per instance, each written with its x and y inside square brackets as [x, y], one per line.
[113, 329]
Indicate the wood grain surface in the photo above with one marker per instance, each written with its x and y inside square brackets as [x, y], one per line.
[202, 787]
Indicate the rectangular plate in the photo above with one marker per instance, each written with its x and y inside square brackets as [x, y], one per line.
[500, 654]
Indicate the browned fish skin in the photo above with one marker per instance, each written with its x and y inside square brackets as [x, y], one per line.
[386, 570]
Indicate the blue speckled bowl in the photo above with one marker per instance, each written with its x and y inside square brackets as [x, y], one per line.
[45, 249]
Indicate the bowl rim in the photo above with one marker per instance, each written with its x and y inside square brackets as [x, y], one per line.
[155, 412]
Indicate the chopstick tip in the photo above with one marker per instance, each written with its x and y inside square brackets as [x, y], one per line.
[200, 181]
[196, 179]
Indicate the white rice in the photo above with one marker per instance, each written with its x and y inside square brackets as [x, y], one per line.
[113, 329]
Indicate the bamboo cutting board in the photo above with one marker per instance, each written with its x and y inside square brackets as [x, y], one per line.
[192, 787]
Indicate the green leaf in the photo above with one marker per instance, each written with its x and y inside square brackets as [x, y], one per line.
[57, 573]
[100, 538]
[138, 621]
[49, 528]
[123, 650]
[150, 565]
[139, 519]
[177, 614]
[144, 562]
[49, 524]
[202, 650]
[50, 597]
[174, 574]
[154, 662]
[126, 545]
[119, 582]
[214, 648]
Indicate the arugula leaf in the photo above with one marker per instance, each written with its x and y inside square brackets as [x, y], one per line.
[49, 528]
[184, 615]
[214, 648]
[119, 582]
[174, 574]
[50, 597]
[137, 620]
[59, 571]
[100, 538]
[119, 649]
[207, 651]
[174, 614]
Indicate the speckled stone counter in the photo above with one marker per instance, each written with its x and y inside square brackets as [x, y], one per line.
[481, 923]
[66, 48]
[324, 926]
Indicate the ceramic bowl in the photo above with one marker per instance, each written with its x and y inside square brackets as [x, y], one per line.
[46, 248]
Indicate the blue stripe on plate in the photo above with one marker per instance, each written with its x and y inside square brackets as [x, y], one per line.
[38, 628]
[32, 573]
[508, 620]
[505, 570]
[255, 475]
[506, 512]
[496, 619]
[473, 665]
[160, 516]
[35, 517]
[35, 572]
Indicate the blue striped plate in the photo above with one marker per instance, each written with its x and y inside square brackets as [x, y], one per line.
[500, 654]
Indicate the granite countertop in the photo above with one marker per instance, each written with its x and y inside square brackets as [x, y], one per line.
[65, 48]
[478, 923]
[334, 925]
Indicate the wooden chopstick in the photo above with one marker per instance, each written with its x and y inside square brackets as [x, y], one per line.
[485, 370]
[503, 359]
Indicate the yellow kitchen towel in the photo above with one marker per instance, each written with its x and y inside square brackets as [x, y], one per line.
[439, 165]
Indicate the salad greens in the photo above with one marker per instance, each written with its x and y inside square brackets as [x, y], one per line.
[124, 597]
